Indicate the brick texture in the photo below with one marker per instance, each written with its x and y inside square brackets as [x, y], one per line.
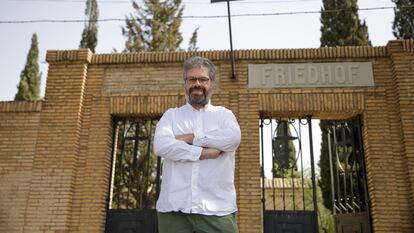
[55, 155]
[19, 125]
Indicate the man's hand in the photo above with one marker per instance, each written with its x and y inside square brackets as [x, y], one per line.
[188, 138]
[210, 153]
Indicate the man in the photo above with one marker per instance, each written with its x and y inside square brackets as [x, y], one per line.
[197, 142]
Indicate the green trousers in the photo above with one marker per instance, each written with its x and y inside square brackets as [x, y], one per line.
[178, 222]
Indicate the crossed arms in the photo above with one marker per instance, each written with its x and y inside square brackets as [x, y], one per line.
[206, 153]
[193, 147]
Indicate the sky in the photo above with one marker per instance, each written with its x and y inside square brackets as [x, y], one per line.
[277, 24]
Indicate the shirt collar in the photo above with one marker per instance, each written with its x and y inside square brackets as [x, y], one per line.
[206, 107]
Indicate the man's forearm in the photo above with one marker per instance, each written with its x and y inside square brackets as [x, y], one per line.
[206, 153]
[225, 139]
[188, 138]
[210, 153]
[176, 150]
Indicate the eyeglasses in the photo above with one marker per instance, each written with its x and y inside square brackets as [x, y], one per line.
[193, 80]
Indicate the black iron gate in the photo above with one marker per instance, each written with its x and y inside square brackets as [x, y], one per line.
[288, 193]
[135, 178]
[350, 203]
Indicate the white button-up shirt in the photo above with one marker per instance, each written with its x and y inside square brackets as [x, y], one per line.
[188, 184]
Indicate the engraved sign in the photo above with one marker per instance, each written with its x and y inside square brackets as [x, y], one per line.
[343, 74]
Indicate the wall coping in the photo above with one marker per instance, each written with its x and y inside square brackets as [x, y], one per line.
[240, 55]
[20, 106]
[87, 56]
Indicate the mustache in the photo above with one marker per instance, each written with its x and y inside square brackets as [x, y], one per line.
[198, 88]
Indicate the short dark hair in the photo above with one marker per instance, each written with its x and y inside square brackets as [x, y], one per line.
[199, 62]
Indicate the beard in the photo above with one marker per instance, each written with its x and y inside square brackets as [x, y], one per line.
[202, 99]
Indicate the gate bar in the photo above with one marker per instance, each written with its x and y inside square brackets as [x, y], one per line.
[273, 167]
[262, 171]
[331, 171]
[337, 178]
[122, 168]
[301, 164]
[315, 205]
[353, 153]
[362, 161]
[115, 129]
[147, 157]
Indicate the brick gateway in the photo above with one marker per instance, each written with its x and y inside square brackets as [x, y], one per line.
[55, 155]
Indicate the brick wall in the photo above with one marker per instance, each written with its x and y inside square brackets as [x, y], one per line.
[19, 125]
[403, 105]
[57, 148]
[63, 186]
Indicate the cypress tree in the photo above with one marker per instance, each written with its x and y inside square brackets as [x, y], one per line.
[325, 177]
[29, 85]
[283, 167]
[192, 46]
[90, 32]
[341, 26]
[403, 26]
[154, 27]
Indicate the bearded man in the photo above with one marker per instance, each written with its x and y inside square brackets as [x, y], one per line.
[197, 142]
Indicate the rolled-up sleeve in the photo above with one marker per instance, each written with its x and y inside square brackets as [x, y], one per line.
[225, 138]
[166, 146]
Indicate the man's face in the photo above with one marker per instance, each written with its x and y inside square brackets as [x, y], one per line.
[198, 86]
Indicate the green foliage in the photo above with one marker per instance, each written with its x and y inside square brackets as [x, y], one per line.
[341, 25]
[283, 168]
[90, 33]
[136, 166]
[325, 178]
[29, 85]
[325, 217]
[193, 41]
[403, 26]
[154, 27]
[347, 167]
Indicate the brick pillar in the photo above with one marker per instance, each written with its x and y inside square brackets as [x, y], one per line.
[381, 175]
[54, 165]
[401, 53]
[248, 165]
